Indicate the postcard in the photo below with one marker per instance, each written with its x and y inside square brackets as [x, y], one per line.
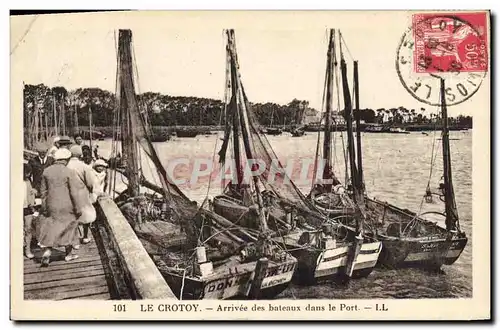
[250, 165]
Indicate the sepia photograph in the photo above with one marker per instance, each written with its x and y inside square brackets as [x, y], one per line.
[186, 165]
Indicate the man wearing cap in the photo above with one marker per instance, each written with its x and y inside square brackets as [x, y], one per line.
[86, 175]
[38, 165]
[65, 142]
[61, 207]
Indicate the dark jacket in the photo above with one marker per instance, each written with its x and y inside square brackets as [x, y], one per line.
[37, 169]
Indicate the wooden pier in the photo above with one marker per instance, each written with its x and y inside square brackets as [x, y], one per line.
[82, 278]
[114, 265]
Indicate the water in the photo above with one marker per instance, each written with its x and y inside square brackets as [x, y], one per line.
[396, 169]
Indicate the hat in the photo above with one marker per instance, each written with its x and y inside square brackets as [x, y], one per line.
[56, 139]
[100, 162]
[41, 147]
[76, 150]
[64, 140]
[62, 154]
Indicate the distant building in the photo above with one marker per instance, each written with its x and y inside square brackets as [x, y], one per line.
[338, 118]
[311, 116]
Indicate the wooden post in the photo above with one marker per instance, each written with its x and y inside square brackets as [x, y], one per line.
[260, 273]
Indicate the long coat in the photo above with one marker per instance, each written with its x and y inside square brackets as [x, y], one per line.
[62, 201]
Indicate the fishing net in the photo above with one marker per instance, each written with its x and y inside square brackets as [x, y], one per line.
[185, 211]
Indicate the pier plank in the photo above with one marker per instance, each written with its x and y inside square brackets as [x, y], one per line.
[82, 278]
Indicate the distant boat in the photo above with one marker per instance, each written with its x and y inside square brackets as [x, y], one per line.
[273, 131]
[386, 129]
[297, 132]
[160, 137]
[398, 130]
[96, 135]
[187, 133]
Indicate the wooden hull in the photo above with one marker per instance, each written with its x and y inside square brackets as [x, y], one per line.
[314, 264]
[230, 279]
[273, 131]
[428, 245]
[320, 265]
[187, 134]
[423, 253]
[233, 283]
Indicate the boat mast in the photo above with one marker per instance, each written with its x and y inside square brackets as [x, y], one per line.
[348, 117]
[327, 146]
[358, 128]
[452, 221]
[357, 194]
[127, 130]
[236, 116]
[245, 128]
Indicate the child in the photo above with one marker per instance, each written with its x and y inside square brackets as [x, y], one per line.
[29, 210]
[100, 173]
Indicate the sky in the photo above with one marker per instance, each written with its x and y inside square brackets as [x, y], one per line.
[282, 54]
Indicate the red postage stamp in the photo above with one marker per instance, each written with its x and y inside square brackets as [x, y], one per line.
[455, 42]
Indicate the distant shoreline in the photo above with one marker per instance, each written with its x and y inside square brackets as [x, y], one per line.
[107, 131]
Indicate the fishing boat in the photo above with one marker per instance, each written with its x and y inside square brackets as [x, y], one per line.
[200, 254]
[187, 133]
[324, 249]
[408, 238]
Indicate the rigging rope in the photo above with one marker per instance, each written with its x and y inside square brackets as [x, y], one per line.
[222, 114]
[345, 44]
[323, 102]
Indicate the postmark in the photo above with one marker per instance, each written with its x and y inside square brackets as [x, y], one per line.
[453, 47]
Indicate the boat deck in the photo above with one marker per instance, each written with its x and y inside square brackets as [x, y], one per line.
[82, 278]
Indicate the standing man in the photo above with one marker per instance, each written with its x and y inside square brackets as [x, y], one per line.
[86, 175]
[29, 211]
[38, 165]
[61, 207]
[65, 142]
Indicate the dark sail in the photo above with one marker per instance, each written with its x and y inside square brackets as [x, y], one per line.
[134, 121]
[449, 194]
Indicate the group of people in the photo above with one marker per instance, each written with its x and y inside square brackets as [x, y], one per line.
[66, 179]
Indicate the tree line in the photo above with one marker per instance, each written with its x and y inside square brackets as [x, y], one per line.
[76, 108]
